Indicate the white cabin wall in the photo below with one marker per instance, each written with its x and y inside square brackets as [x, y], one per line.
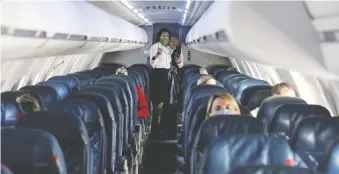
[140, 55]
[312, 89]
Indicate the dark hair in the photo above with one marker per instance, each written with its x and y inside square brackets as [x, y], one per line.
[175, 35]
[163, 30]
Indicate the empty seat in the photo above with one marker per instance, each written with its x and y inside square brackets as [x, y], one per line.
[10, 112]
[61, 89]
[270, 105]
[227, 80]
[234, 83]
[84, 79]
[313, 137]
[224, 73]
[271, 169]
[233, 151]
[216, 126]
[71, 82]
[257, 98]
[31, 151]
[70, 132]
[95, 74]
[121, 139]
[247, 87]
[5, 170]
[288, 116]
[89, 113]
[91, 77]
[107, 112]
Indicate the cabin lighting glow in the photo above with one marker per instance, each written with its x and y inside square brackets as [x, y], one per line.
[125, 2]
[188, 3]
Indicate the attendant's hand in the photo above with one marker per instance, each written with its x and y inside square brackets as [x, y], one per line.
[159, 52]
[177, 60]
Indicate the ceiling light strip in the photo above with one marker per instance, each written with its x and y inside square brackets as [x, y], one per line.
[125, 2]
[188, 3]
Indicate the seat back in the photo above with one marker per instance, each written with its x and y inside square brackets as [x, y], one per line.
[257, 98]
[235, 82]
[270, 169]
[233, 151]
[61, 89]
[247, 87]
[84, 79]
[71, 82]
[121, 140]
[10, 112]
[312, 138]
[110, 145]
[227, 80]
[70, 132]
[23, 149]
[331, 165]
[270, 105]
[89, 113]
[217, 126]
[288, 116]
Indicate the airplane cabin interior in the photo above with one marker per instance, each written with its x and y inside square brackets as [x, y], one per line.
[169, 87]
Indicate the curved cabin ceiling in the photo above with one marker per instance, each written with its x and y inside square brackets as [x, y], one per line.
[150, 12]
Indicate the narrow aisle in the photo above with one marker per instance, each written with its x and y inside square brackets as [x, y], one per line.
[160, 153]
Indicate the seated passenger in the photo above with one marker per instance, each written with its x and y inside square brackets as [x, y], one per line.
[283, 89]
[222, 104]
[142, 103]
[206, 80]
[203, 71]
[28, 103]
[280, 89]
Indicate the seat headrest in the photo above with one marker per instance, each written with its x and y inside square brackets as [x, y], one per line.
[314, 134]
[61, 89]
[23, 149]
[95, 74]
[84, 79]
[248, 87]
[288, 116]
[271, 104]
[227, 124]
[257, 98]
[10, 112]
[13, 95]
[71, 82]
[244, 110]
[65, 126]
[202, 91]
[331, 165]
[46, 94]
[5, 170]
[270, 169]
[232, 151]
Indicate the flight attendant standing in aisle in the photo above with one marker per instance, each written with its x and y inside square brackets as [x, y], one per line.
[160, 60]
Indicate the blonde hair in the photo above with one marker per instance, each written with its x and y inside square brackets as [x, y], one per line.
[224, 96]
[204, 79]
[122, 70]
[28, 103]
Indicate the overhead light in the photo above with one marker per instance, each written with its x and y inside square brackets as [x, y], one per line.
[188, 3]
[141, 16]
[127, 4]
[136, 11]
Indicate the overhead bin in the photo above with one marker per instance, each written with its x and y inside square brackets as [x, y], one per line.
[52, 28]
[276, 33]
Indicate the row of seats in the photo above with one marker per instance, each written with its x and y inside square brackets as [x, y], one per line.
[87, 123]
[287, 135]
